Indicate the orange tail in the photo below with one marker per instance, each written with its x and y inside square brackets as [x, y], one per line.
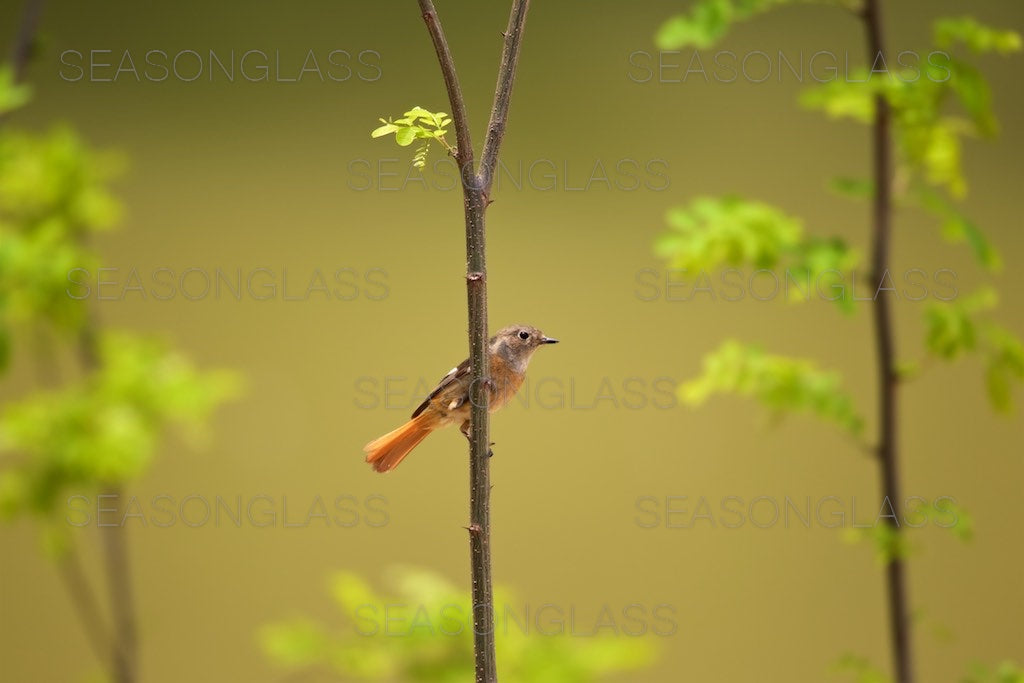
[386, 452]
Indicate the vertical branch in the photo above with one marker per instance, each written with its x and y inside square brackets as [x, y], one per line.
[23, 44]
[87, 608]
[888, 453]
[463, 139]
[503, 92]
[117, 650]
[475, 187]
[115, 550]
[122, 605]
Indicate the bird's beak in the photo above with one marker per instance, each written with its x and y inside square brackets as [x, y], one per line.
[548, 340]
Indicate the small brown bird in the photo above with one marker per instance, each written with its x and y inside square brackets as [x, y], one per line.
[509, 352]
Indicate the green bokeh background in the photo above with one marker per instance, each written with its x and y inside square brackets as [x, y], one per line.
[246, 175]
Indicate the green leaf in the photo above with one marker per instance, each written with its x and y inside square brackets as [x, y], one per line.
[434, 621]
[974, 35]
[104, 429]
[861, 668]
[386, 129]
[707, 22]
[12, 95]
[1006, 672]
[1004, 366]
[418, 112]
[714, 232]
[852, 187]
[53, 190]
[779, 383]
[975, 96]
[950, 328]
[958, 228]
[405, 136]
[853, 98]
[5, 348]
[299, 642]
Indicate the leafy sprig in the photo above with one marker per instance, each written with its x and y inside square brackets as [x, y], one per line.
[417, 124]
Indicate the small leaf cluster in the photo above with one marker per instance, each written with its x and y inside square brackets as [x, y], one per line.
[708, 21]
[780, 383]
[717, 232]
[417, 124]
[12, 93]
[929, 135]
[890, 544]
[954, 329]
[1005, 672]
[861, 669]
[105, 428]
[435, 621]
[53, 192]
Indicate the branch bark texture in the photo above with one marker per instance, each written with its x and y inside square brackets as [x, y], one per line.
[476, 185]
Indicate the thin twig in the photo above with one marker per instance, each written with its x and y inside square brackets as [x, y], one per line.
[115, 555]
[503, 92]
[21, 52]
[463, 139]
[87, 607]
[121, 602]
[25, 41]
[888, 380]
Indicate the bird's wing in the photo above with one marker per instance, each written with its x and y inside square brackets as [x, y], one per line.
[454, 375]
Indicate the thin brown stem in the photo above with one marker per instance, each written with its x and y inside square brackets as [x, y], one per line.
[463, 139]
[475, 186]
[25, 40]
[503, 92]
[888, 380]
[86, 607]
[115, 553]
[115, 550]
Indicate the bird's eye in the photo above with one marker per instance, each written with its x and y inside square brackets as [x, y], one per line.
[523, 334]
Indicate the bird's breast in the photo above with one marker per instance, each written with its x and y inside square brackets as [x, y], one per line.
[505, 382]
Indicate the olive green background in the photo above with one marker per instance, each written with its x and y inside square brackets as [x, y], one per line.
[243, 175]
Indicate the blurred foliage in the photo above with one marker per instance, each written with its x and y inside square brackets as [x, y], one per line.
[976, 36]
[1005, 672]
[53, 192]
[928, 136]
[103, 429]
[890, 543]
[860, 669]
[863, 671]
[417, 124]
[933, 111]
[957, 228]
[709, 20]
[12, 94]
[955, 328]
[780, 383]
[713, 233]
[423, 632]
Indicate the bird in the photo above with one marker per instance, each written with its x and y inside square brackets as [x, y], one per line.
[509, 353]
